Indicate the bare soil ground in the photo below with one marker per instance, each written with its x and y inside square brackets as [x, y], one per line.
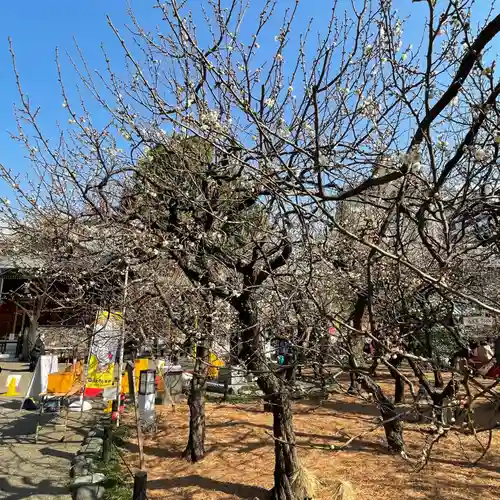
[239, 462]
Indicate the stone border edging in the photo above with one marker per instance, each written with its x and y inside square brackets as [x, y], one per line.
[87, 484]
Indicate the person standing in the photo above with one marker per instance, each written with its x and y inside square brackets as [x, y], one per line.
[497, 349]
[37, 351]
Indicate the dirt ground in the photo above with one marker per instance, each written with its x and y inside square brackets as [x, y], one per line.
[239, 462]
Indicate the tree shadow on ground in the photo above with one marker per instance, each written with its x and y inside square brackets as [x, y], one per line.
[20, 426]
[52, 452]
[243, 491]
[44, 487]
[162, 452]
[171, 450]
[11, 404]
[308, 439]
[464, 463]
[433, 491]
[342, 407]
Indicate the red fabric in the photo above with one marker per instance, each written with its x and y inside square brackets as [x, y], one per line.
[92, 392]
[493, 372]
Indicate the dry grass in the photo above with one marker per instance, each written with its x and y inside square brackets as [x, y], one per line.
[239, 463]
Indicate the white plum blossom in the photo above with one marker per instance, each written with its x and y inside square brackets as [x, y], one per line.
[479, 154]
[442, 144]
[210, 120]
[309, 130]
[412, 158]
[370, 108]
[323, 160]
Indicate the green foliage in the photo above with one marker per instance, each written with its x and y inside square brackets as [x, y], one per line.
[442, 343]
[191, 192]
[119, 482]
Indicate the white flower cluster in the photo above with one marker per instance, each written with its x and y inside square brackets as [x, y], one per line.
[210, 120]
[478, 153]
[481, 153]
[370, 108]
[412, 158]
[269, 102]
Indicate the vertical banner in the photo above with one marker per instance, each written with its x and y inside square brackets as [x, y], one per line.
[101, 369]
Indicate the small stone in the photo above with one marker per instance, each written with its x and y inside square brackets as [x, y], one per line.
[78, 458]
[90, 440]
[90, 479]
[79, 469]
[93, 448]
[97, 432]
[89, 492]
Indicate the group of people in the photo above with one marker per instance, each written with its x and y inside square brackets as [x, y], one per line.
[483, 357]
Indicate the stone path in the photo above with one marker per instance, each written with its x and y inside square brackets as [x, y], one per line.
[37, 471]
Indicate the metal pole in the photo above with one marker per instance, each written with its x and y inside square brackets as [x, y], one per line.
[86, 366]
[122, 346]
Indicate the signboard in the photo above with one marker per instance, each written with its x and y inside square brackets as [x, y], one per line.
[101, 369]
[478, 321]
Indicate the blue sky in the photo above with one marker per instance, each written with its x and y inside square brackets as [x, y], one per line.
[38, 27]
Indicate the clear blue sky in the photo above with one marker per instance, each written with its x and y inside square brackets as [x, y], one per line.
[37, 27]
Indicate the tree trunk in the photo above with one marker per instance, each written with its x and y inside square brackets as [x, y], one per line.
[33, 316]
[356, 343]
[438, 378]
[399, 384]
[276, 392]
[399, 389]
[393, 426]
[195, 449]
[353, 386]
[285, 453]
[30, 338]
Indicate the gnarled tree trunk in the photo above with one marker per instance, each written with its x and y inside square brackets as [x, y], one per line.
[399, 384]
[285, 452]
[356, 343]
[276, 392]
[195, 449]
[393, 426]
[438, 378]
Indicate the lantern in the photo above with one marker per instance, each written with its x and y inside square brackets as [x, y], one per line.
[146, 400]
[147, 379]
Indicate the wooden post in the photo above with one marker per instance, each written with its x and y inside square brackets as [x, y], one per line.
[107, 443]
[15, 322]
[131, 386]
[140, 485]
